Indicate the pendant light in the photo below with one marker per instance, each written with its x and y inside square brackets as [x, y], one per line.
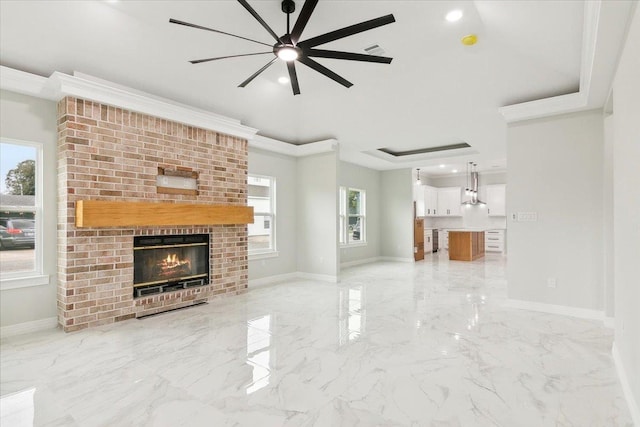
[472, 185]
[467, 190]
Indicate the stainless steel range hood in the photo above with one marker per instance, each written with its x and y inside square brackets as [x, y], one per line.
[472, 190]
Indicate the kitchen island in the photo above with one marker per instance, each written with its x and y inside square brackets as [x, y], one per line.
[466, 245]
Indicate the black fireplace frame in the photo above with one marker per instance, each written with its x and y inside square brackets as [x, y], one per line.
[166, 242]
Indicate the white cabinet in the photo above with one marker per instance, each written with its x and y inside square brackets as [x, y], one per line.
[430, 201]
[418, 198]
[494, 241]
[449, 199]
[496, 200]
[426, 199]
[428, 240]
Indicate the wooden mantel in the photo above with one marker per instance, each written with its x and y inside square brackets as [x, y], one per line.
[103, 213]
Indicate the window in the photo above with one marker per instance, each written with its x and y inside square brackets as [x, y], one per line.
[352, 216]
[261, 196]
[20, 213]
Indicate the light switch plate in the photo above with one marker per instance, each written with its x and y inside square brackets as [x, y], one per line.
[528, 216]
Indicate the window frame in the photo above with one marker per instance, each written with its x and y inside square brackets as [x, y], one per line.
[35, 277]
[344, 216]
[272, 251]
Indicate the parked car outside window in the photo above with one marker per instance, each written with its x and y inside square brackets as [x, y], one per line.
[16, 233]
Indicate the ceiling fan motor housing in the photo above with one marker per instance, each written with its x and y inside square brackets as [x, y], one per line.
[288, 6]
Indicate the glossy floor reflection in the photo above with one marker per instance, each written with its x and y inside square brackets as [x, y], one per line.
[393, 344]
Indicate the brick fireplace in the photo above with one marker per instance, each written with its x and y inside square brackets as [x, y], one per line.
[107, 153]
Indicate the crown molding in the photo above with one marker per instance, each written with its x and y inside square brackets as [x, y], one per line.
[545, 107]
[25, 83]
[412, 159]
[275, 146]
[60, 85]
[574, 101]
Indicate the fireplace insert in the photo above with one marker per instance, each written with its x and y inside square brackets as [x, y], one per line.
[169, 263]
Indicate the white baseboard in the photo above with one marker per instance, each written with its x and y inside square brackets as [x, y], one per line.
[359, 262]
[270, 280]
[26, 327]
[395, 259]
[280, 278]
[321, 277]
[583, 313]
[626, 386]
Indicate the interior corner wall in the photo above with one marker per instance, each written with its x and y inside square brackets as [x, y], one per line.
[555, 170]
[607, 217]
[626, 209]
[283, 169]
[317, 224]
[32, 119]
[396, 223]
[366, 179]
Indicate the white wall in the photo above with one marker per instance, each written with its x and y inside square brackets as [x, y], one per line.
[607, 217]
[284, 169]
[626, 208]
[460, 179]
[397, 214]
[317, 224]
[32, 119]
[555, 169]
[362, 178]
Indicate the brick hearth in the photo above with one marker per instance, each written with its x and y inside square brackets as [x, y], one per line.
[107, 153]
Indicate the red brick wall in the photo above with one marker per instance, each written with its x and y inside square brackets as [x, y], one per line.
[107, 153]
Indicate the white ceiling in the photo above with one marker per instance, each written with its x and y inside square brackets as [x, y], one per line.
[435, 92]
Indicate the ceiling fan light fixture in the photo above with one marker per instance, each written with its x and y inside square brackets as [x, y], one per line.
[287, 53]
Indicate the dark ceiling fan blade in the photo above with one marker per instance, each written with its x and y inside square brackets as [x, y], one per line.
[257, 73]
[259, 19]
[187, 24]
[334, 54]
[293, 76]
[200, 61]
[303, 18]
[324, 70]
[347, 31]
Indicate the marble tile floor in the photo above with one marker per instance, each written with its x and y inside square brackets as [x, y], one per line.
[393, 344]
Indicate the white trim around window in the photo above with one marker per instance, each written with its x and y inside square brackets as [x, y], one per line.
[35, 276]
[352, 218]
[261, 194]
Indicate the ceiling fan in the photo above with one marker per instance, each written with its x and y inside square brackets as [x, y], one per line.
[289, 48]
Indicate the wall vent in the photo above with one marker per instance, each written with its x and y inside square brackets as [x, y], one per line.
[375, 50]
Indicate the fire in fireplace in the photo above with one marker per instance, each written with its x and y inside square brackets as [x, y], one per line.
[169, 263]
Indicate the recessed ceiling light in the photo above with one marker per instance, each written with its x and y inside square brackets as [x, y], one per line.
[455, 171]
[442, 166]
[283, 80]
[454, 15]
